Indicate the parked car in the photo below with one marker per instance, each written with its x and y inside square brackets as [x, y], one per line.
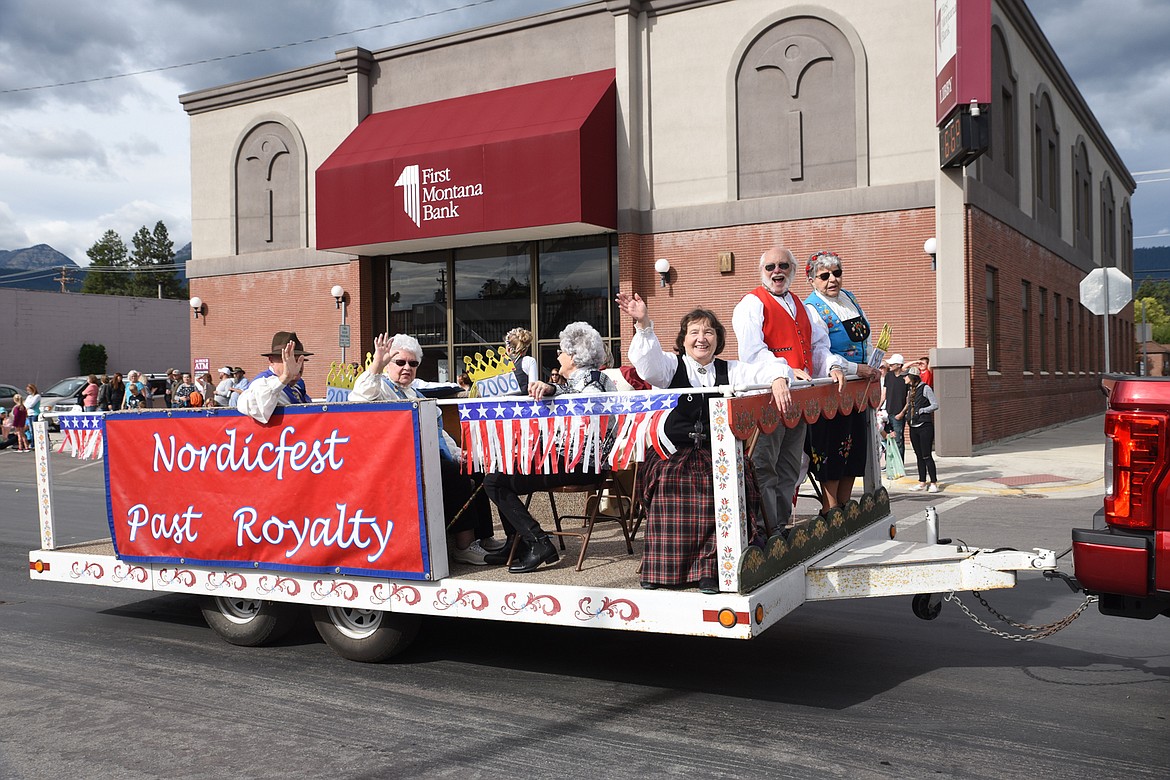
[63, 397]
[6, 394]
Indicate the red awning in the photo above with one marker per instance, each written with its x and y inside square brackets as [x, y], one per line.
[537, 160]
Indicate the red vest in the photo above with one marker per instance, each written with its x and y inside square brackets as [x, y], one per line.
[784, 337]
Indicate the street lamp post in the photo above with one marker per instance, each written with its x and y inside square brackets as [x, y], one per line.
[338, 293]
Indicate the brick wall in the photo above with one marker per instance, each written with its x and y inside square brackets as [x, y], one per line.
[885, 268]
[244, 311]
[1009, 401]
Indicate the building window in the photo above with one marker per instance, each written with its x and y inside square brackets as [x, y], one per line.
[1026, 319]
[1082, 198]
[1108, 223]
[1042, 316]
[998, 169]
[992, 283]
[1068, 324]
[463, 301]
[1056, 352]
[1046, 159]
[269, 190]
[796, 111]
[1125, 259]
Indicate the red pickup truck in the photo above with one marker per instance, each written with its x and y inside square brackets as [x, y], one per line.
[1125, 557]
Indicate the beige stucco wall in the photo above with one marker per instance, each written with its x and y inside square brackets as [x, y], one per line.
[690, 83]
[323, 117]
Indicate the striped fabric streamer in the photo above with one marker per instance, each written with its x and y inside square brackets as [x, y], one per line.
[82, 434]
[520, 435]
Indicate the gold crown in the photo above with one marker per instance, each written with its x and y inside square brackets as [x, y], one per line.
[343, 375]
[494, 364]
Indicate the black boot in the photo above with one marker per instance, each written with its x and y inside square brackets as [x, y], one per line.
[540, 551]
[500, 557]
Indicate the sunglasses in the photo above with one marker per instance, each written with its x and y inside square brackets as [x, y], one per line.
[770, 267]
[400, 363]
[824, 277]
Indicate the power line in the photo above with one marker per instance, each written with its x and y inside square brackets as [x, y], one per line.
[277, 47]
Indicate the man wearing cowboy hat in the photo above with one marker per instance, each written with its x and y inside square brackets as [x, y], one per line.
[280, 384]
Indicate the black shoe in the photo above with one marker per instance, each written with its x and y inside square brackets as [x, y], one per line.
[649, 586]
[709, 585]
[500, 557]
[541, 551]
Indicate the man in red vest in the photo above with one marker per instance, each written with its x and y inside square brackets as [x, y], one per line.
[770, 322]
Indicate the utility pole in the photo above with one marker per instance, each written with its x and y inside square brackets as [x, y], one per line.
[64, 278]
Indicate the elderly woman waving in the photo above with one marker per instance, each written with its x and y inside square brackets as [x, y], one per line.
[680, 512]
[400, 357]
[838, 448]
[579, 358]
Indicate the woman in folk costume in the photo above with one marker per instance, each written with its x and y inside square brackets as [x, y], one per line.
[680, 509]
[838, 448]
[401, 356]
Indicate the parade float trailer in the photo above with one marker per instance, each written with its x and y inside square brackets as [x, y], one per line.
[337, 506]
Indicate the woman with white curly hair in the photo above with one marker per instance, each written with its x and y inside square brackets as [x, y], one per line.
[391, 376]
[580, 358]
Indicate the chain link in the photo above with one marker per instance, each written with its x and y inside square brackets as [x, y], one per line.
[1039, 632]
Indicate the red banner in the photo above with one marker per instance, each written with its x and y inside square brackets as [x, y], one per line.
[310, 491]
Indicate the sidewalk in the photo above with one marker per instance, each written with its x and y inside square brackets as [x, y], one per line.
[1066, 461]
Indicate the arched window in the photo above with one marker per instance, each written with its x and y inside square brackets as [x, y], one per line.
[999, 168]
[796, 109]
[1108, 223]
[1082, 198]
[269, 189]
[1045, 161]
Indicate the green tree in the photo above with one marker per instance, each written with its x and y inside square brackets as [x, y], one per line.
[142, 270]
[108, 252]
[1156, 315]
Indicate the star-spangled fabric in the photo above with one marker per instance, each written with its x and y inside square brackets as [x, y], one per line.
[521, 435]
[82, 435]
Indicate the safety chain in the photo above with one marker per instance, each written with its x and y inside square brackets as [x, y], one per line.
[1040, 632]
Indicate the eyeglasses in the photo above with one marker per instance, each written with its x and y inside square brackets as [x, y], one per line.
[824, 277]
[773, 266]
[400, 363]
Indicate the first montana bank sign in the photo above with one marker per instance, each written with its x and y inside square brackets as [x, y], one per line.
[490, 166]
[429, 194]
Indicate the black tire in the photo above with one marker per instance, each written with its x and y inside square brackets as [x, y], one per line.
[248, 622]
[365, 635]
[927, 606]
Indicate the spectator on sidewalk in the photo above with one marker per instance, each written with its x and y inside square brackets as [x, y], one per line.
[239, 385]
[919, 413]
[894, 399]
[181, 393]
[223, 390]
[117, 393]
[19, 420]
[89, 394]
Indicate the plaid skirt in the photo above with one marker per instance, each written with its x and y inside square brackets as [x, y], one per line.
[680, 517]
[837, 448]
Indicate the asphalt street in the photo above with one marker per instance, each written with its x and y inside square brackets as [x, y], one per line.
[102, 682]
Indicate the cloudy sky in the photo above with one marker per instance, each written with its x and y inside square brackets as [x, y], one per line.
[113, 153]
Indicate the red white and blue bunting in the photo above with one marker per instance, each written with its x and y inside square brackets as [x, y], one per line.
[82, 434]
[519, 435]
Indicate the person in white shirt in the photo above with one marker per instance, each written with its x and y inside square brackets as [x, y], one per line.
[771, 322]
[680, 514]
[280, 384]
[400, 357]
[223, 390]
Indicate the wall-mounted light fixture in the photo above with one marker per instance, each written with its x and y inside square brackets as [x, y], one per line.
[930, 246]
[662, 266]
[197, 307]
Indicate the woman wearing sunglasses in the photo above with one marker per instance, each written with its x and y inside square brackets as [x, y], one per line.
[838, 448]
[392, 376]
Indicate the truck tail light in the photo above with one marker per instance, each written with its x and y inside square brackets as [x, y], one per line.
[1134, 466]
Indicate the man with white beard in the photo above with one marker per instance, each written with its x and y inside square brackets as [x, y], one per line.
[770, 321]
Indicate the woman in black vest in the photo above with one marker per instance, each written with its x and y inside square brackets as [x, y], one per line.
[677, 492]
[921, 405]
